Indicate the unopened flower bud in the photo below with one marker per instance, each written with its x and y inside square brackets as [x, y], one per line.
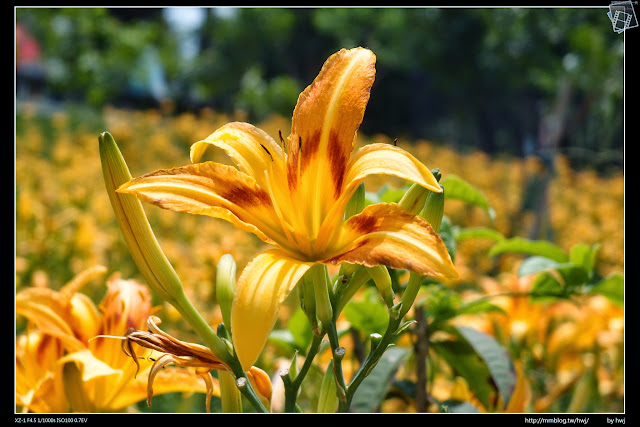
[225, 286]
[319, 276]
[308, 299]
[137, 233]
[382, 279]
[142, 243]
[434, 209]
[375, 340]
[261, 383]
[328, 399]
[413, 200]
[230, 397]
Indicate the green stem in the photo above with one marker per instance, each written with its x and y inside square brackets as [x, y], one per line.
[291, 387]
[370, 362]
[337, 353]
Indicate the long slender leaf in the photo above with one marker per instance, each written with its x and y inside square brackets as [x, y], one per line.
[529, 247]
[495, 357]
[374, 388]
[459, 189]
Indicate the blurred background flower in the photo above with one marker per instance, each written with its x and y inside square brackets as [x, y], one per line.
[70, 358]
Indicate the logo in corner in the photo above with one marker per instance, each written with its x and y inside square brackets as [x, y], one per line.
[622, 15]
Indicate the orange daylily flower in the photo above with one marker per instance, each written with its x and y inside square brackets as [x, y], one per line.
[293, 195]
[61, 367]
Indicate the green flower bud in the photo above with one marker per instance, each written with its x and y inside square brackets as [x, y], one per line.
[318, 273]
[382, 279]
[375, 340]
[434, 209]
[137, 233]
[143, 246]
[347, 290]
[293, 367]
[413, 200]
[230, 396]
[308, 299]
[328, 399]
[74, 388]
[225, 286]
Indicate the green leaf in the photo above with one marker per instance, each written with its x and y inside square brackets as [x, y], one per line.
[327, 397]
[447, 236]
[391, 195]
[283, 338]
[300, 329]
[572, 275]
[459, 189]
[479, 306]
[477, 233]
[546, 286]
[495, 357]
[611, 287]
[375, 386]
[538, 264]
[529, 247]
[367, 316]
[584, 256]
[461, 357]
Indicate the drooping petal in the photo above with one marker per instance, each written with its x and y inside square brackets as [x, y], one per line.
[264, 283]
[375, 159]
[386, 234]
[323, 130]
[211, 189]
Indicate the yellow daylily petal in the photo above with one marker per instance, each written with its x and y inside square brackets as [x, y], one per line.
[386, 159]
[521, 395]
[251, 148]
[263, 285]
[323, 130]
[168, 380]
[37, 388]
[211, 189]
[90, 366]
[386, 234]
[85, 318]
[375, 159]
[50, 313]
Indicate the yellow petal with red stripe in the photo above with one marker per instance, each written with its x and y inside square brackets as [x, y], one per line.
[263, 285]
[385, 234]
[325, 120]
[375, 159]
[211, 189]
[251, 149]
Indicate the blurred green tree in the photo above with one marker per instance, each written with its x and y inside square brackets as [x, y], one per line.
[509, 80]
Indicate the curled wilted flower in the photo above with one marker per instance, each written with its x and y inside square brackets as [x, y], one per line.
[184, 354]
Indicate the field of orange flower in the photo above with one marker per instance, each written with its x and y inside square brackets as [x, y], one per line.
[567, 353]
